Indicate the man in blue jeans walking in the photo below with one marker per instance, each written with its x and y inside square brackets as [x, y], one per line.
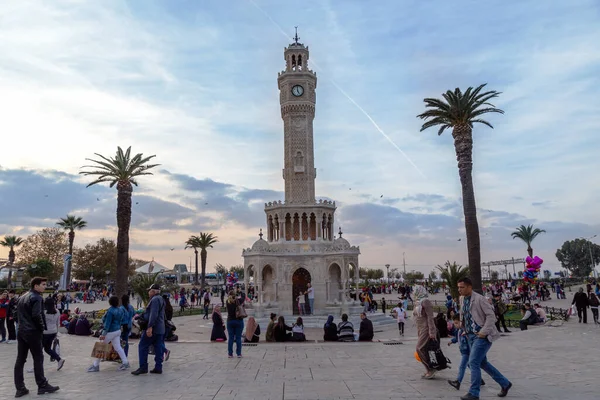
[479, 322]
[154, 335]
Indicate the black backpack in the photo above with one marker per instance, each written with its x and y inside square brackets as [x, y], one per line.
[437, 360]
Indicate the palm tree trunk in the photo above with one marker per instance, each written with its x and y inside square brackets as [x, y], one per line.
[529, 250]
[196, 275]
[463, 145]
[11, 261]
[70, 263]
[203, 255]
[124, 191]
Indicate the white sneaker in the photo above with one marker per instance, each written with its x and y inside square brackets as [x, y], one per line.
[30, 370]
[123, 367]
[60, 364]
[9, 341]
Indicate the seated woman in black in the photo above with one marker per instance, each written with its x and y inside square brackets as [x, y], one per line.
[218, 329]
[330, 330]
[252, 331]
[280, 331]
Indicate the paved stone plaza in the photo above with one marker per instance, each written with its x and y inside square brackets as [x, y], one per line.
[543, 363]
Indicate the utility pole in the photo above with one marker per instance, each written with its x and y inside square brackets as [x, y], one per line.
[404, 265]
[387, 266]
[514, 271]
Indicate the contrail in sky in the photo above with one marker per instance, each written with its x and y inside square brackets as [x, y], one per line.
[344, 93]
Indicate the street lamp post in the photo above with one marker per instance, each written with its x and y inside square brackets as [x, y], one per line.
[387, 266]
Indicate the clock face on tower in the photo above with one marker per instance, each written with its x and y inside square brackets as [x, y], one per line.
[297, 90]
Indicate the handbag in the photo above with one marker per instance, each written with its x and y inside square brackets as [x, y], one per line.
[240, 311]
[56, 346]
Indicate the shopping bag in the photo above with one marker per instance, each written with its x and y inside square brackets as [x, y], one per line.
[101, 350]
[56, 346]
[572, 310]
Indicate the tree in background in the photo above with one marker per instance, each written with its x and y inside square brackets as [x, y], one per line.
[47, 244]
[547, 275]
[123, 171]
[98, 258]
[579, 256]
[42, 268]
[141, 282]
[193, 242]
[239, 269]
[413, 276]
[452, 273]
[71, 223]
[460, 111]
[11, 242]
[221, 271]
[432, 276]
[527, 234]
[495, 275]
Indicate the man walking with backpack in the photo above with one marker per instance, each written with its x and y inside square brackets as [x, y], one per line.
[29, 338]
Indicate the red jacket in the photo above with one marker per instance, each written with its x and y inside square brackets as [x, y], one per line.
[3, 307]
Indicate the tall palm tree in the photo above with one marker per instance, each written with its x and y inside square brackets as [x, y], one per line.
[193, 242]
[460, 111]
[527, 234]
[11, 242]
[206, 241]
[71, 223]
[451, 273]
[123, 171]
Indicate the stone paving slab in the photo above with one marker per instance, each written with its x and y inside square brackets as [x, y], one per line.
[543, 363]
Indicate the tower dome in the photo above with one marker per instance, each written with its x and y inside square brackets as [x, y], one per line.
[260, 244]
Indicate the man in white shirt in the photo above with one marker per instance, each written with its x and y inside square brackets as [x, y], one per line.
[311, 299]
[400, 315]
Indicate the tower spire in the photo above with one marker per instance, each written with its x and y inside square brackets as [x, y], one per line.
[296, 37]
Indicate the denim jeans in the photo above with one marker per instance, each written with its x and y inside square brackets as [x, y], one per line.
[234, 331]
[311, 302]
[47, 344]
[478, 361]
[125, 331]
[2, 329]
[145, 342]
[464, 363]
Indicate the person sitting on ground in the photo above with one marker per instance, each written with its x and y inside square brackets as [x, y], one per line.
[64, 318]
[540, 312]
[330, 330]
[218, 329]
[280, 331]
[345, 330]
[298, 331]
[83, 326]
[269, 335]
[252, 331]
[366, 329]
[530, 317]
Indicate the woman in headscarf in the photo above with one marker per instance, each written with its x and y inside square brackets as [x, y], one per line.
[218, 329]
[426, 329]
[252, 331]
[330, 330]
[269, 335]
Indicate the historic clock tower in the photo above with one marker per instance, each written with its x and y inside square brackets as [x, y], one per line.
[300, 246]
[297, 85]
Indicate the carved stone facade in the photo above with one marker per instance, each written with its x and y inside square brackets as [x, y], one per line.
[301, 246]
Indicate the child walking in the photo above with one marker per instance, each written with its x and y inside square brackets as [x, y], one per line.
[463, 346]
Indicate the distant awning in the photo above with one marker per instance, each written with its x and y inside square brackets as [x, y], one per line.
[151, 268]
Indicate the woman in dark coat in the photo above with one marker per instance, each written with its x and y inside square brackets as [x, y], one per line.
[218, 330]
[280, 331]
[330, 330]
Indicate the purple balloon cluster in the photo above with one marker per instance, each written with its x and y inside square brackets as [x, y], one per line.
[532, 269]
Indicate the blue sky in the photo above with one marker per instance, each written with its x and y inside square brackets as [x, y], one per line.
[194, 82]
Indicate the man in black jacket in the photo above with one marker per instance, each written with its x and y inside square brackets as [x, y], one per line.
[32, 324]
[581, 302]
[366, 329]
